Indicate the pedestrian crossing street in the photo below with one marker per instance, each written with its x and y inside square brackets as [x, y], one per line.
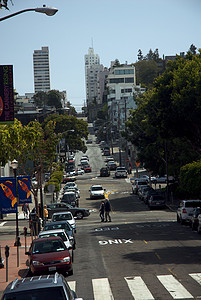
[140, 291]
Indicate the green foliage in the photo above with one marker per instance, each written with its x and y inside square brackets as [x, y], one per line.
[166, 126]
[56, 178]
[74, 130]
[190, 179]
[51, 98]
[146, 72]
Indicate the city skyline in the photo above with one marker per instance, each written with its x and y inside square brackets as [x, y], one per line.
[115, 30]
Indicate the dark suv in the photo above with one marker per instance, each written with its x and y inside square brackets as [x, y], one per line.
[49, 287]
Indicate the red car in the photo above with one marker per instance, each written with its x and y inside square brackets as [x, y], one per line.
[48, 255]
[87, 169]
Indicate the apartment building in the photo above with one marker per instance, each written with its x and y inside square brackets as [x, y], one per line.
[41, 69]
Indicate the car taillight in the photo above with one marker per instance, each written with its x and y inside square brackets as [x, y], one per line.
[184, 211]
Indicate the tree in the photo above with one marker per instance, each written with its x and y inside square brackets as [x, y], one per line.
[116, 63]
[54, 98]
[193, 49]
[40, 99]
[29, 143]
[146, 72]
[4, 4]
[166, 126]
[70, 128]
[140, 56]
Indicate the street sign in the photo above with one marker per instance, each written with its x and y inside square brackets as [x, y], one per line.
[51, 188]
[137, 163]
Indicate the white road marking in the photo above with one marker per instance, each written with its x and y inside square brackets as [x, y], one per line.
[138, 288]
[72, 285]
[3, 223]
[196, 276]
[101, 289]
[174, 287]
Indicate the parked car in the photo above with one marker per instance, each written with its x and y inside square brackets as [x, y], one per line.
[147, 194]
[142, 189]
[156, 200]
[84, 157]
[137, 183]
[68, 178]
[120, 172]
[104, 172]
[78, 213]
[97, 192]
[185, 210]
[49, 255]
[87, 168]
[61, 216]
[70, 198]
[84, 163]
[70, 184]
[109, 158]
[112, 165]
[89, 141]
[51, 287]
[62, 234]
[194, 221]
[62, 225]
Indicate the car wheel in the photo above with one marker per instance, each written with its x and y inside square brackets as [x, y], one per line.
[70, 273]
[79, 215]
[181, 221]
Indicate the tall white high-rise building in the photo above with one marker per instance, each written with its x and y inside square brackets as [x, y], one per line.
[92, 62]
[41, 69]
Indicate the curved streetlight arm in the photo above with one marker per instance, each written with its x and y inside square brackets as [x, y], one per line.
[49, 11]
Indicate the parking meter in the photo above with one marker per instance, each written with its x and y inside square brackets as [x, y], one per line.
[25, 231]
[7, 251]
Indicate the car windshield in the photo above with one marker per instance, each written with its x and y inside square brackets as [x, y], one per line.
[48, 246]
[61, 234]
[61, 217]
[38, 294]
[65, 225]
[157, 198]
[96, 188]
[69, 197]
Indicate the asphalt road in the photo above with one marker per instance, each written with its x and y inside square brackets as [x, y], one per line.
[142, 254]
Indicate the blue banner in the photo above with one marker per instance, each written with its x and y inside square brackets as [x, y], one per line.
[8, 195]
[24, 189]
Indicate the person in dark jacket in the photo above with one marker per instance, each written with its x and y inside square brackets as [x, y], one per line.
[102, 211]
[107, 210]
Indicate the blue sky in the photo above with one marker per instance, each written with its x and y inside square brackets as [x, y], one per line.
[118, 29]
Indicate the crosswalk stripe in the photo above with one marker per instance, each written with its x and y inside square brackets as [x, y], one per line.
[174, 287]
[138, 288]
[196, 276]
[72, 285]
[101, 289]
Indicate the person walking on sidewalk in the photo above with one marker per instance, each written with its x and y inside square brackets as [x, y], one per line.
[102, 211]
[26, 211]
[45, 214]
[107, 210]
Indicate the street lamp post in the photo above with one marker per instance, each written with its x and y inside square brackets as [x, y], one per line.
[14, 165]
[49, 11]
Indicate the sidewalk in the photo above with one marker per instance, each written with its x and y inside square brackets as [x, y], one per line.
[13, 270]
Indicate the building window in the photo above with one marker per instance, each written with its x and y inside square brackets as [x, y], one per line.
[129, 80]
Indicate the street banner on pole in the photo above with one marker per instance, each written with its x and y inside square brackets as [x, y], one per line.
[24, 189]
[6, 95]
[8, 195]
